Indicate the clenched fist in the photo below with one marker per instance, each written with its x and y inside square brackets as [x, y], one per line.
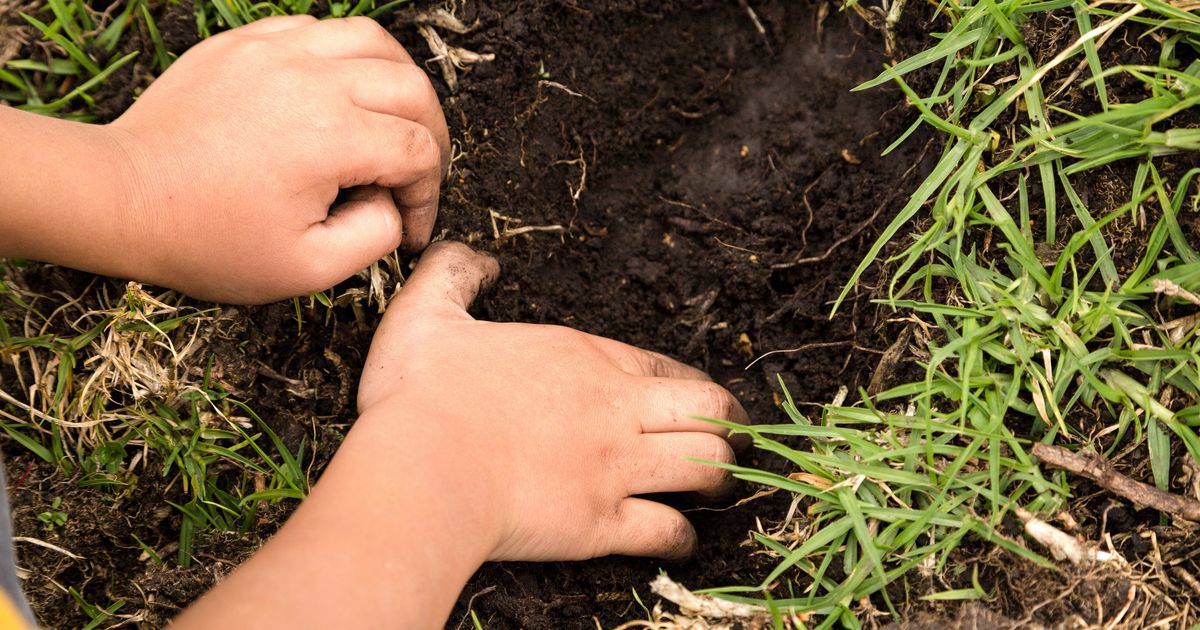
[270, 161]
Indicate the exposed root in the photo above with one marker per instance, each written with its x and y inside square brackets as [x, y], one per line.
[558, 86]
[703, 612]
[449, 59]
[134, 346]
[42, 543]
[823, 345]
[1166, 287]
[1062, 545]
[440, 18]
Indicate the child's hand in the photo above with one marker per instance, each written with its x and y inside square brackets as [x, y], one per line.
[479, 441]
[550, 433]
[238, 153]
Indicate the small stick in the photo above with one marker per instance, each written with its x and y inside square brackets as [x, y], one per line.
[1095, 467]
[758, 26]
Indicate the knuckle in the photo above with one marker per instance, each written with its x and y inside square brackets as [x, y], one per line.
[450, 248]
[609, 516]
[414, 78]
[609, 512]
[419, 145]
[653, 364]
[616, 455]
[363, 26]
[717, 400]
[392, 225]
[716, 449]
[677, 534]
[720, 478]
[250, 46]
[568, 339]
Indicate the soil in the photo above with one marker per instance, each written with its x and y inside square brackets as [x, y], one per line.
[699, 188]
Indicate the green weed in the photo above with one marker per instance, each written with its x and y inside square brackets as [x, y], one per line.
[84, 47]
[1036, 325]
[53, 517]
[117, 398]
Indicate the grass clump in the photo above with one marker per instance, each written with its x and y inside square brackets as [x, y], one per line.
[112, 394]
[1037, 314]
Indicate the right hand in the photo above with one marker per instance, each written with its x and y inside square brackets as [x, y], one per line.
[554, 433]
[233, 159]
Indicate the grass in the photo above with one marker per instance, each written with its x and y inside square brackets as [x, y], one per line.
[122, 391]
[1035, 323]
[80, 49]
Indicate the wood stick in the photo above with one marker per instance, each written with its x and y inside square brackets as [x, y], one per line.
[1095, 467]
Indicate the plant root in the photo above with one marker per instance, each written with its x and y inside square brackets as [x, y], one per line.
[1062, 545]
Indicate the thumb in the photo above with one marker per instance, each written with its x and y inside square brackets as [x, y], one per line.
[444, 284]
[450, 274]
[365, 227]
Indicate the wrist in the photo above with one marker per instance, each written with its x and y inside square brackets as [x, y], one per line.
[397, 451]
[133, 206]
[388, 537]
[67, 201]
[407, 474]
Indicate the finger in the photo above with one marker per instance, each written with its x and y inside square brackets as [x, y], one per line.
[665, 464]
[401, 155]
[677, 405]
[275, 24]
[396, 89]
[449, 273]
[357, 232]
[353, 37]
[638, 362]
[647, 528]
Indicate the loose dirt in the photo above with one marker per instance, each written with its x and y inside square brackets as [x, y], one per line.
[662, 173]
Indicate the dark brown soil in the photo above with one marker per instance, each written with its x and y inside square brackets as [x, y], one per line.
[705, 191]
[714, 158]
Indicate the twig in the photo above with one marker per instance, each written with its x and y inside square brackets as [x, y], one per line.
[533, 228]
[1095, 467]
[558, 86]
[758, 26]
